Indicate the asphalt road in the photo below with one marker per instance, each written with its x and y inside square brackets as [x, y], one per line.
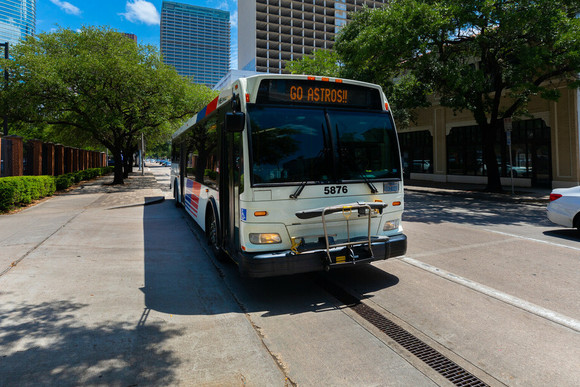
[106, 291]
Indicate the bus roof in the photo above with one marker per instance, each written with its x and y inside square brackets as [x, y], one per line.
[250, 84]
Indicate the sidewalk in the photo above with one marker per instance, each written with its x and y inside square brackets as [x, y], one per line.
[97, 288]
[521, 194]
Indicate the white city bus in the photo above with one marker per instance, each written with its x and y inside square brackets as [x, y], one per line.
[292, 173]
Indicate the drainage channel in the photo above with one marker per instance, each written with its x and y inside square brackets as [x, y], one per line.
[433, 358]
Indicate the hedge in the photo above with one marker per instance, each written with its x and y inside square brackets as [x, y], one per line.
[22, 190]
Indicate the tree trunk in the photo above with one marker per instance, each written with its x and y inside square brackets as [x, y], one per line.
[127, 166]
[118, 168]
[489, 132]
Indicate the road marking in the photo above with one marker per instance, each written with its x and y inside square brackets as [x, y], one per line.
[504, 297]
[532, 239]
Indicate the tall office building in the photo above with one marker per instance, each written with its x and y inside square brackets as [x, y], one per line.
[17, 20]
[196, 41]
[271, 32]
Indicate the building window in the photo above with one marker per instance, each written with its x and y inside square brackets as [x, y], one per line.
[531, 152]
[464, 151]
[416, 152]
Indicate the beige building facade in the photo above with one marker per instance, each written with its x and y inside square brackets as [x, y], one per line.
[271, 32]
[445, 146]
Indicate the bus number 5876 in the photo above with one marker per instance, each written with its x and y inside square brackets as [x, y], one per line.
[335, 190]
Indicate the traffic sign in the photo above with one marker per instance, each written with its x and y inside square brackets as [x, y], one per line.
[507, 124]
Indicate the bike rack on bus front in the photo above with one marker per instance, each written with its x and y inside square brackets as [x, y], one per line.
[346, 210]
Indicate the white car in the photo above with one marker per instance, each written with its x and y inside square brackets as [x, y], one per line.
[564, 207]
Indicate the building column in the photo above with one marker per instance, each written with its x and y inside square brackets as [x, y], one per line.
[75, 162]
[35, 162]
[58, 160]
[68, 159]
[16, 159]
[49, 159]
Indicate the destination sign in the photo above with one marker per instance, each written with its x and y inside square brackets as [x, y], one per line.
[307, 92]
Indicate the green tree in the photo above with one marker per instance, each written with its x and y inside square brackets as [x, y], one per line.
[98, 86]
[322, 62]
[488, 57]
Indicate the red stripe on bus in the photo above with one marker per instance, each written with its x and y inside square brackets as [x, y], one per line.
[196, 188]
[211, 106]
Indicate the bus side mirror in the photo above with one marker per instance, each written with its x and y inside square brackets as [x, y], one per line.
[235, 122]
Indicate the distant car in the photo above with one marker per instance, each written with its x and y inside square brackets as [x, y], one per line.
[564, 207]
[518, 171]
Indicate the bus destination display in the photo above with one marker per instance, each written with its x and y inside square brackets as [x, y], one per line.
[306, 92]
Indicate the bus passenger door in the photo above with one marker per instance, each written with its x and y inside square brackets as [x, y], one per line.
[227, 192]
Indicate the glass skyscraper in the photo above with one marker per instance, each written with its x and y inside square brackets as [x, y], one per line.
[17, 20]
[196, 41]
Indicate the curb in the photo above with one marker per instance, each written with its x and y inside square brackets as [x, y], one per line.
[497, 197]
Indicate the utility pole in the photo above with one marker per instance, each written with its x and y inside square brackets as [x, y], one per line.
[6, 55]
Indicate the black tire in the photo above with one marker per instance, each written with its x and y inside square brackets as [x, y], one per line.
[212, 235]
[576, 222]
[176, 196]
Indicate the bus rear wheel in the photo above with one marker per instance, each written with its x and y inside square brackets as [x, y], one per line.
[176, 196]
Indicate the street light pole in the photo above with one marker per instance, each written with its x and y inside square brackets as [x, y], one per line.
[6, 56]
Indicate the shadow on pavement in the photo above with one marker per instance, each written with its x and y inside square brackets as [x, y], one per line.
[181, 278]
[47, 343]
[568, 234]
[425, 208]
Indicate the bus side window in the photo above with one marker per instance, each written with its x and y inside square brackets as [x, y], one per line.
[212, 167]
[175, 153]
[190, 164]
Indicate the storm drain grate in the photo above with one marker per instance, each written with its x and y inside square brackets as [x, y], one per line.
[444, 366]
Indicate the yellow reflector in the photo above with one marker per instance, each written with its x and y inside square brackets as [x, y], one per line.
[396, 203]
[341, 259]
[260, 213]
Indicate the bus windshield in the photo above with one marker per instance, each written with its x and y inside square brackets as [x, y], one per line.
[294, 145]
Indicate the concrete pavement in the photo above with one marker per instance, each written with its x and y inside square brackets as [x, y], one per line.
[89, 297]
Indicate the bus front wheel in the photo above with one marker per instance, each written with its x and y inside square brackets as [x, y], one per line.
[211, 233]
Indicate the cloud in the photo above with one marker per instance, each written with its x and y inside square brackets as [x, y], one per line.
[67, 7]
[141, 11]
[234, 19]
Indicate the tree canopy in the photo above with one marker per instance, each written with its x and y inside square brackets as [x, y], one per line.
[98, 86]
[488, 57]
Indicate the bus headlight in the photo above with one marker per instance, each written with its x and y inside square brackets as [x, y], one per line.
[263, 239]
[391, 225]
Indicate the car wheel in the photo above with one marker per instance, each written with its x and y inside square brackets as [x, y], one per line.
[576, 222]
[212, 235]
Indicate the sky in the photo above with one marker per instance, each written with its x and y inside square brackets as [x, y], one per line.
[139, 17]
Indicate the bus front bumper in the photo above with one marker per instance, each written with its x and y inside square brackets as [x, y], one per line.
[286, 262]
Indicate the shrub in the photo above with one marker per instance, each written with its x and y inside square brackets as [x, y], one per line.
[64, 181]
[18, 190]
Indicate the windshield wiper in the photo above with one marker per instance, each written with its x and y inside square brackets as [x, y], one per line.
[369, 183]
[305, 181]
